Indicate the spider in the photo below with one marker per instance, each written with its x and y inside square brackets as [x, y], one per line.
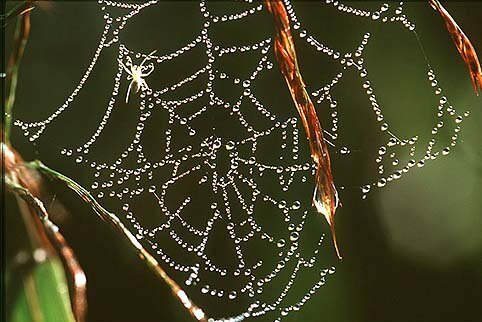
[136, 74]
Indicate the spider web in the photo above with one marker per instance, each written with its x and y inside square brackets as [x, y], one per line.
[207, 177]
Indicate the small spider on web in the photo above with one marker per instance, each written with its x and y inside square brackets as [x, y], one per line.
[136, 74]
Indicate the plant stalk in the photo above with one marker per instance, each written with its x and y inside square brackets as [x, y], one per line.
[22, 32]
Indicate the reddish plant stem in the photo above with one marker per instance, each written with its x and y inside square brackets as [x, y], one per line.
[463, 45]
[325, 196]
[76, 274]
[18, 10]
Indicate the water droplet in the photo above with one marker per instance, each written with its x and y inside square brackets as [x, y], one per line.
[281, 243]
[382, 182]
[344, 150]
[282, 204]
[296, 205]
[232, 295]
[294, 236]
[366, 188]
[230, 145]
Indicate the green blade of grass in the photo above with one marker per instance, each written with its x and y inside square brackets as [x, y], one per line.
[41, 294]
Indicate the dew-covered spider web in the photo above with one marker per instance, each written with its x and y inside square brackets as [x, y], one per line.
[205, 159]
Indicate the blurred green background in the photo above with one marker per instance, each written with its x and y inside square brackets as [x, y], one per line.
[412, 250]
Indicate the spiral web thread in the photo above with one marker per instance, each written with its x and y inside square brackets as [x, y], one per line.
[244, 169]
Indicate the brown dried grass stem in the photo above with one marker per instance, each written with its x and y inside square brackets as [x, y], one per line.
[463, 45]
[325, 196]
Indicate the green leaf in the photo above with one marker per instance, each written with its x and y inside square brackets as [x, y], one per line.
[39, 294]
